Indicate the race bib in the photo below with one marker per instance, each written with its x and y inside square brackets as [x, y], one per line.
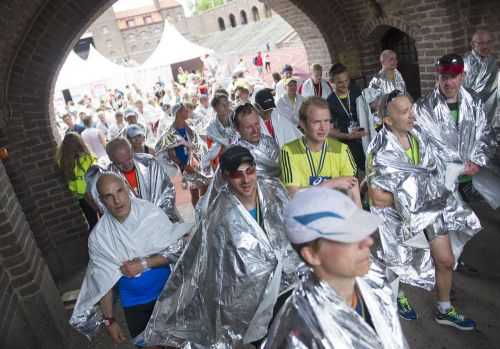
[317, 180]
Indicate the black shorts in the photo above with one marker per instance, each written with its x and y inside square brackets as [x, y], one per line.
[137, 317]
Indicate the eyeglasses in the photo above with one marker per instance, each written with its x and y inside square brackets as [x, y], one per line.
[236, 174]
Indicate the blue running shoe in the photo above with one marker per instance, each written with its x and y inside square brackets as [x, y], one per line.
[453, 318]
[405, 310]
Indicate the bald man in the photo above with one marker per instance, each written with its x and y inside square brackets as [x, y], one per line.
[481, 72]
[388, 78]
[131, 247]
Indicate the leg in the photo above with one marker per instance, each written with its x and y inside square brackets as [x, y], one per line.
[444, 260]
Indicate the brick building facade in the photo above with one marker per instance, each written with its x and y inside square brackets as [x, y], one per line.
[43, 234]
[132, 35]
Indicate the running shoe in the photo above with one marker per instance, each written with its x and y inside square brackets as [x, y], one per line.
[405, 310]
[453, 318]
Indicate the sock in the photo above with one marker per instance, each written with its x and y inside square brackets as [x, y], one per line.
[443, 306]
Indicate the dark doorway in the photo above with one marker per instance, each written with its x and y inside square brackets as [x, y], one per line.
[222, 25]
[404, 46]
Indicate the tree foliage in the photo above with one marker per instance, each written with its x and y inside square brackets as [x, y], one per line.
[204, 5]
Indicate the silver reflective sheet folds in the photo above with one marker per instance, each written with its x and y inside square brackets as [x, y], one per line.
[222, 291]
[266, 154]
[315, 316]
[155, 185]
[220, 134]
[468, 140]
[384, 85]
[419, 199]
[481, 76]
[197, 148]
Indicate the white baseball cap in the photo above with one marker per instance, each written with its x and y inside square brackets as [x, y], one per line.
[328, 214]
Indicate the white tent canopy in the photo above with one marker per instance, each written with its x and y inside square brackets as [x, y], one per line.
[174, 48]
[103, 69]
[73, 72]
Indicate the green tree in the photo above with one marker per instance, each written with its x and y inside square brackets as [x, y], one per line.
[204, 5]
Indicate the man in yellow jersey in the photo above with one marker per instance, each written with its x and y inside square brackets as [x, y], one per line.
[407, 190]
[316, 159]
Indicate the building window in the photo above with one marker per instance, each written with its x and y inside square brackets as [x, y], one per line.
[148, 19]
[147, 45]
[131, 37]
[267, 10]
[131, 22]
[112, 53]
[222, 25]
[133, 48]
[157, 30]
[109, 43]
[144, 35]
[105, 30]
[232, 20]
[255, 14]
[243, 16]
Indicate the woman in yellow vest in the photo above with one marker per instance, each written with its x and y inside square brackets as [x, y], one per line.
[75, 159]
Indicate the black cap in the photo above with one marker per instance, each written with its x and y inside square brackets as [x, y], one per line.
[264, 99]
[450, 64]
[234, 156]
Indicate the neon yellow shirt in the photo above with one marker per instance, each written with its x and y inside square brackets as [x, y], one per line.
[297, 169]
[413, 152]
[77, 185]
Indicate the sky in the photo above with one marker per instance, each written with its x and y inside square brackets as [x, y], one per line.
[123, 5]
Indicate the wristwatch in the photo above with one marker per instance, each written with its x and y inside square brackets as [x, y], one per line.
[144, 264]
[108, 321]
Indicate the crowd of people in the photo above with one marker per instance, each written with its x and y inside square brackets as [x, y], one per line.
[290, 186]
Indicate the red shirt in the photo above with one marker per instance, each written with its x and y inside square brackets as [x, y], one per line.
[269, 126]
[131, 177]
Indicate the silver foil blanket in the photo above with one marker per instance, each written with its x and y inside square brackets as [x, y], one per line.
[222, 291]
[420, 197]
[266, 154]
[315, 316]
[468, 140]
[481, 76]
[384, 85]
[197, 150]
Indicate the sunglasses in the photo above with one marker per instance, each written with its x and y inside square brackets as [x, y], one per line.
[236, 174]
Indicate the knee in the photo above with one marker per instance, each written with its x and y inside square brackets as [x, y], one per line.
[445, 262]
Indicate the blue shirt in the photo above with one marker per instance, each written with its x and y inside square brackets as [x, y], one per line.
[181, 151]
[253, 213]
[143, 289]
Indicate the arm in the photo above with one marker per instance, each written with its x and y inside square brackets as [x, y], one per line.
[102, 138]
[114, 330]
[139, 265]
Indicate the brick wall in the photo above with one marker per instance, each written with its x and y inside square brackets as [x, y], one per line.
[28, 297]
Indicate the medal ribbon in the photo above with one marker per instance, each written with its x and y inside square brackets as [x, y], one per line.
[315, 172]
